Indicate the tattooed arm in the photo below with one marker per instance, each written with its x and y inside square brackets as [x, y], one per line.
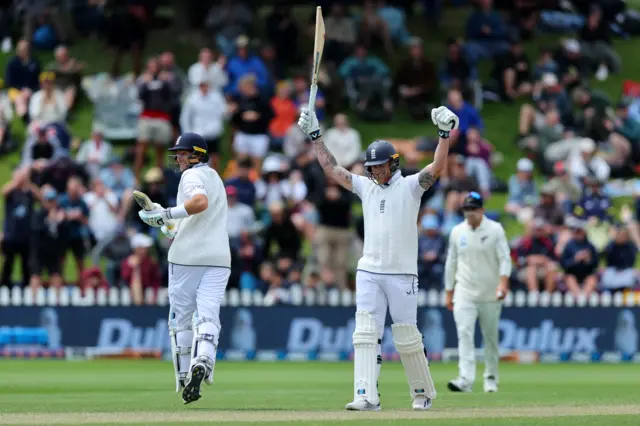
[330, 165]
[428, 176]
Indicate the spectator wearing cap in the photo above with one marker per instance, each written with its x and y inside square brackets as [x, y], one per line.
[48, 104]
[416, 80]
[455, 72]
[512, 72]
[95, 153]
[333, 234]
[574, 68]
[242, 182]
[583, 161]
[213, 72]
[22, 77]
[7, 144]
[47, 236]
[595, 41]
[535, 258]
[139, 271]
[240, 217]
[487, 34]
[548, 209]
[579, 260]
[251, 115]
[204, 112]
[620, 257]
[552, 95]
[280, 184]
[227, 21]
[566, 190]
[432, 248]
[245, 63]
[523, 191]
[285, 115]
[344, 140]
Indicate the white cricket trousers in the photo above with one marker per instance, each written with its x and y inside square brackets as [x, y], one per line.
[197, 289]
[465, 313]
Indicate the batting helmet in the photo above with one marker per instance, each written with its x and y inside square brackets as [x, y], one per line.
[194, 143]
[380, 152]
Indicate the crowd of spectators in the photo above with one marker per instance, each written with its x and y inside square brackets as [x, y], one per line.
[288, 223]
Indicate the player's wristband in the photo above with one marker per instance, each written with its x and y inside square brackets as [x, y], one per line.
[444, 134]
[177, 212]
[315, 135]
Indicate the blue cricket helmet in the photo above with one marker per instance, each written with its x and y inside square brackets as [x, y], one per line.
[381, 152]
[193, 143]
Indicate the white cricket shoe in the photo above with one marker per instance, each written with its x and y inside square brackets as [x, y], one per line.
[362, 405]
[459, 384]
[490, 384]
[421, 402]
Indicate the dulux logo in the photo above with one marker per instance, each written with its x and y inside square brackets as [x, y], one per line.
[548, 338]
[120, 333]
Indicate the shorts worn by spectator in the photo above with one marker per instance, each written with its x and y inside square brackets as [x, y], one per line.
[68, 72]
[21, 77]
[416, 80]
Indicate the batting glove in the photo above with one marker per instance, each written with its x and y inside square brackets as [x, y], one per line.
[445, 119]
[308, 123]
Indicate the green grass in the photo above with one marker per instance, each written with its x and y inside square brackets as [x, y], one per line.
[500, 120]
[37, 391]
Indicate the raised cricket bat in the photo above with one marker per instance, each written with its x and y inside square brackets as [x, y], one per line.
[145, 203]
[318, 47]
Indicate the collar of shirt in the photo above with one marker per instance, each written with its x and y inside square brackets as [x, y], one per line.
[483, 225]
[394, 178]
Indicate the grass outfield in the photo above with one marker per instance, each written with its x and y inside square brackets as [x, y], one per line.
[93, 392]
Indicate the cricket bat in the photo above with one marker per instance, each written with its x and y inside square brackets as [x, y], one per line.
[318, 47]
[145, 203]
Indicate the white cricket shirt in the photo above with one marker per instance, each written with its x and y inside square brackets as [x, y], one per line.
[390, 224]
[476, 260]
[202, 238]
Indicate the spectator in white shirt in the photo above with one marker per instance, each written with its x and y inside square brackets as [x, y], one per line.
[94, 153]
[583, 162]
[48, 105]
[240, 217]
[343, 140]
[277, 185]
[103, 211]
[204, 112]
[213, 72]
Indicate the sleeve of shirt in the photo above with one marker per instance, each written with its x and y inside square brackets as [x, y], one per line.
[451, 264]
[414, 185]
[503, 252]
[358, 182]
[192, 185]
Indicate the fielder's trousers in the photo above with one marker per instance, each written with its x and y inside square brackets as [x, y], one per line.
[465, 313]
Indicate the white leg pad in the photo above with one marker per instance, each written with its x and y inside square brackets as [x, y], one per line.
[408, 342]
[180, 350]
[365, 342]
[205, 344]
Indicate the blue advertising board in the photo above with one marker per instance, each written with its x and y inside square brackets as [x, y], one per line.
[317, 331]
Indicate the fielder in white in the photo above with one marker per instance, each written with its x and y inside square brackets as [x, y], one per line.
[477, 274]
[387, 271]
[199, 264]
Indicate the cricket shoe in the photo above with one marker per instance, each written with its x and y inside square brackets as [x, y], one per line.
[191, 392]
[490, 384]
[421, 402]
[459, 384]
[362, 405]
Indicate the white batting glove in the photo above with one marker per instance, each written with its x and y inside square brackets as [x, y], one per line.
[308, 123]
[169, 233]
[445, 119]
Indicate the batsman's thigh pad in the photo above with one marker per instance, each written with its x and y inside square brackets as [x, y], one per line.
[408, 342]
[365, 341]
[181, 344]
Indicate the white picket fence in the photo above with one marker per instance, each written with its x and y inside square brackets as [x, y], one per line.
[296, 296]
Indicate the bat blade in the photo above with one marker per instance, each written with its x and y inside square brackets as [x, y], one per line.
[318, 47]
[145, 203]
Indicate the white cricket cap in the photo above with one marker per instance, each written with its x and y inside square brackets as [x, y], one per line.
[141, 241]
[549, 79]
[524, 165]
[572, 46]
[587, 145]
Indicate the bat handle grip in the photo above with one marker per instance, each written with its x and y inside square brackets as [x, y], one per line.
[312, 97]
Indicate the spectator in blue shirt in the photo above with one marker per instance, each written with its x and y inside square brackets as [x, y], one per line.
[76, 214]
[620, 255]
[245, 189]
[396, 22]
[22, 77]
[118, 178]
[366, 77]
[244, 62]
[469, 118]
[594, 203]
[487, 34]
[523, 192]
[579, 260]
